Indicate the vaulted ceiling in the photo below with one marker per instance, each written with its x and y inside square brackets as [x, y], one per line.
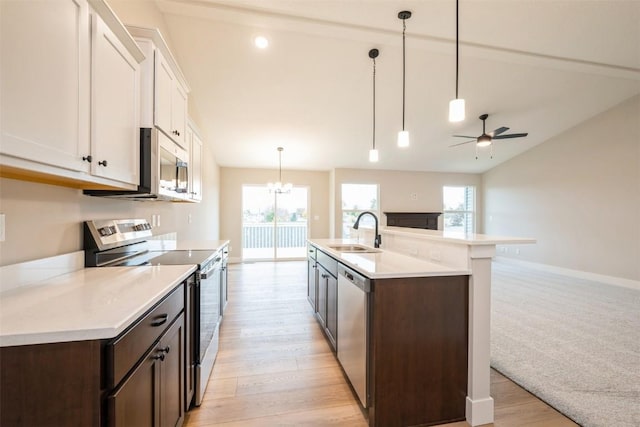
[534, 66]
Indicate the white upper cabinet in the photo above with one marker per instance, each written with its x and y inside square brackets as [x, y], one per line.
[115, 131]
[164, 89]
[179, 114]
[195, 164]
[68, 94]
[45, 82]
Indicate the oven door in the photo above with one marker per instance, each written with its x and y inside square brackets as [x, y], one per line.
[209, 315]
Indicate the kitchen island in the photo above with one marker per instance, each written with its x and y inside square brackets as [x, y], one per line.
[399, 326]
[413, 256]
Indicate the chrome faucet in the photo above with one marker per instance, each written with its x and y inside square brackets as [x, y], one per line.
[378, 239]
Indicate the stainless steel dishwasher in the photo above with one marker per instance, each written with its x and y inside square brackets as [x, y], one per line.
[352, 328]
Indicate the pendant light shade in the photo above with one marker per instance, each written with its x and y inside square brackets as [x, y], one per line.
[456, 110]
[373, 153]
[403, 138]
[403, 135]
[456, 106]
[278, 187]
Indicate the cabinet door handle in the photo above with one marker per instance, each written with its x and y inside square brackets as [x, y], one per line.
[103, 163]
[166, 349]
[158, 357]
[162, 319]
[87, 158]
[325, 276]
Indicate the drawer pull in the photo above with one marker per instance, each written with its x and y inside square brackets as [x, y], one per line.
[162, 319]
[159, 357]
[166, 349]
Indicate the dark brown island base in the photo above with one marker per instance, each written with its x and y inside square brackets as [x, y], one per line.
[414, 337]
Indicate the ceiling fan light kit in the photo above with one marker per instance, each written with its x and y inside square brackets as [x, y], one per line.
[403, 135]
[486, 139]
[373, 153]
[456, 106]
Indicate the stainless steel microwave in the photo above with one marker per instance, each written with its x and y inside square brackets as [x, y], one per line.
[164, 170]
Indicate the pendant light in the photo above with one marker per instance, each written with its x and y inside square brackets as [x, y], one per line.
[403, 135]
[279, 187]
[456, 106]
[373, 153]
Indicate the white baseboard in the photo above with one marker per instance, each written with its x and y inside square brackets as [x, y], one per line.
[609, 280]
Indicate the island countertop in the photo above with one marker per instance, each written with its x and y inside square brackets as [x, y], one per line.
[384, 264]
[87, 304]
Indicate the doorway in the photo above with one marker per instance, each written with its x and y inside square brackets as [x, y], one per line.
[274, 225]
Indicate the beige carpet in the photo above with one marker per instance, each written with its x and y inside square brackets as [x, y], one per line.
[573, 343]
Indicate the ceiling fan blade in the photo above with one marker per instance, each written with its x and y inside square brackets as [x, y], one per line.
[511, 135]
[465, 136]
[498, 131]
[462, 143]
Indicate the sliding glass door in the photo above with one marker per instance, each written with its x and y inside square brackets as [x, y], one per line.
[274, 225]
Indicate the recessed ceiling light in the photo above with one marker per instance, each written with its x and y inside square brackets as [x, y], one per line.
[261, 42]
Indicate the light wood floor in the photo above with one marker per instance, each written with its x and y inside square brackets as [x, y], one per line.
[275, 368]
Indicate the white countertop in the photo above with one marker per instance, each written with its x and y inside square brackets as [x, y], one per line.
[471, 239]
[180, 245]
[385, 264]
[88, 304]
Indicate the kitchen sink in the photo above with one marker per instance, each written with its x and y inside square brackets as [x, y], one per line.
[353, 248]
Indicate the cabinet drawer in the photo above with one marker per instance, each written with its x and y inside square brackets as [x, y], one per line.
[328, 262]
[123, 353]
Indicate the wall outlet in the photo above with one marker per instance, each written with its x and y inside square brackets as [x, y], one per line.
[2, 236]
[413, 196]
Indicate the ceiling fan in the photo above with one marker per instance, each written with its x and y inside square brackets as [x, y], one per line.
[485, 139]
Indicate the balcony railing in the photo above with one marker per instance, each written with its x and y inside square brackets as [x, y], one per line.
[261, 235]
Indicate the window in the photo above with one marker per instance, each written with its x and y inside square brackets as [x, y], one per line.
[357, 198]
[459, 208]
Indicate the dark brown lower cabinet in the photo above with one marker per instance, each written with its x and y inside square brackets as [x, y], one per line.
[172, 375]
[135, 379]
[312, 283]
[136, 402]
[418, 350]
[331, 325]
[152, 395]
[51, 384]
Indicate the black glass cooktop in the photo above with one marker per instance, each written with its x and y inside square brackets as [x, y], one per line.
[171, 258]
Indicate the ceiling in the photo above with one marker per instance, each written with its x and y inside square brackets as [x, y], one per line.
[534, 66]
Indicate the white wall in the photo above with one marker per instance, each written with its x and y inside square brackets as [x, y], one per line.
[396, 188]
[578, 194]
[231, 182]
